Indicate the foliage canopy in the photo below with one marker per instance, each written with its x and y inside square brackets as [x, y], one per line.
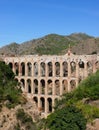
[67, 118]
[8, 87]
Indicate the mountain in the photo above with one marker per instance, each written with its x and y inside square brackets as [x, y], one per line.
[80, 43]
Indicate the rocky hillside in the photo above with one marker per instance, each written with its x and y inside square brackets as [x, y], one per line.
[55, 44]
[22, 117]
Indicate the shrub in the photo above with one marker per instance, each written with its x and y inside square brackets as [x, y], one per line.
[67, 118]
[89, 111]
[89, 88]
[8, 87]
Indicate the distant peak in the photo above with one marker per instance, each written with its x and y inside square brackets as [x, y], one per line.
[80, 36]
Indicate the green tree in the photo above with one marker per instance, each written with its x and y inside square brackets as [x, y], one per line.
[89, 88]
[6, 74]
[8, 87]
[67, 118]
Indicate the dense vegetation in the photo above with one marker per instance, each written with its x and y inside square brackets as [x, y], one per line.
[54, 44]
[67, 118]
[75, 109]
[9, 92]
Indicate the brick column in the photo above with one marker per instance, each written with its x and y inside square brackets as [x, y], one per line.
[61, 87]
[69, 87]
[69, 69]
[26, 69]
[46, 90]
[20, 69]
[61, 69]
[53, 89]
[53, 68]
[32, 86]
[39, 89]
[25, 85]
[46, 106]
[85, 70]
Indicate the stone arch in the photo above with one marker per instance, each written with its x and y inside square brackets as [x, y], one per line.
[42, 69]
[73, 69]
[49, 101]
[57, 87]
[16, 68]
[42, 103]
[50, 69]
[65, 69]
[72, 85]
[29, 86]
[35, 86]
[57, 69]
[89, 68]
[35, 99]
[81, 70]
[35, 69]
[64, 86]
[23, 68]
[29, 68]
[10, 65]
[81, 64]
[22, 83]
[49, 87]
[42, 85]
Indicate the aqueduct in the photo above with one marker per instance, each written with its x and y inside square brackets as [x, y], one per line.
[45, 78]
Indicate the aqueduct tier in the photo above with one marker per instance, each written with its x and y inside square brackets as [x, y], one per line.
[45, 78]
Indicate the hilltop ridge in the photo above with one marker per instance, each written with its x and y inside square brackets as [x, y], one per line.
[80, 43]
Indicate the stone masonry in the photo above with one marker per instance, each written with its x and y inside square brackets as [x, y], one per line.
[45, 78]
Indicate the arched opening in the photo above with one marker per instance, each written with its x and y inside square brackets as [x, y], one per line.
[35, 69]
[50, 69]
[23, 68]
[42, 102]
[42, 84]
[29, 85]
[11, 65]
[89, 68]
[35, 99]
[42, 69]
[57, 87]
[29, 69]
[16, 67]
[81, 70]
[22, 83]
[49, 100]
[81, 64]
[35, 86]
[49, 87]
[65, 69]
[73, 68]
[57, 69]
[72, 85]
[64, 86]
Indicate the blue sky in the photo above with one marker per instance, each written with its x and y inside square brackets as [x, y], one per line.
[23, 20]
